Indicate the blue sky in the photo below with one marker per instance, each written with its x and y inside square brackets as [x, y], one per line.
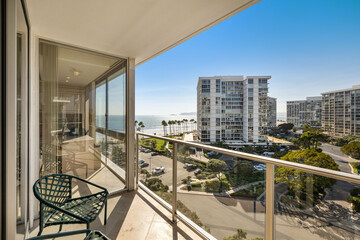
[307, 46]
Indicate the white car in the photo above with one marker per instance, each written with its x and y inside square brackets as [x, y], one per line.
[158, 170]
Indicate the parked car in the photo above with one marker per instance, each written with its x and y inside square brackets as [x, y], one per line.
[142, 149]
[198, 171]
[158, 170]
[154, 153]
[145, 164]
[147, 150]
[186, 165]
[141, 161]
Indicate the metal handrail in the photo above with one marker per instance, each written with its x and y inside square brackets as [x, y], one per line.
[297, 166]
[269, 179]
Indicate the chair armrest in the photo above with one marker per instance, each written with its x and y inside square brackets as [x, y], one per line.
[93, 184]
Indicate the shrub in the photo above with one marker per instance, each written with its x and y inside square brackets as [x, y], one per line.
[352, 149]
[355, 199]
[356, 166]
[214, 185]
[155, 184]
[196, 184]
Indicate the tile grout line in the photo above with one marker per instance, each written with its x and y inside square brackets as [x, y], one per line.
[152, 221]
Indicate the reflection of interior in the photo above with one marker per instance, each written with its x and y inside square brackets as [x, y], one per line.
[68, 115]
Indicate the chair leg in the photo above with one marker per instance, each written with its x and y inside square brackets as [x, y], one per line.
[60, 228]
[88, 225]
[40, 231]
[105, 214]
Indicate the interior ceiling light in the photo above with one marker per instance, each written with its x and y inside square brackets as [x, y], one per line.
[76, 73]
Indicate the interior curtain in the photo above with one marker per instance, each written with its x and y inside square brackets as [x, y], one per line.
[49, 109]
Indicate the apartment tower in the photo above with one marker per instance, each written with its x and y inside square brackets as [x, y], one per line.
[233, 109]
[304, 111]
[341, 111]
[271, 112]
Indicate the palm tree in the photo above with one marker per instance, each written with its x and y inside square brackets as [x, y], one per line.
[185, 121]
[192, 124]
[164, 123]
[141, 125]
[169, 122]
[195, 124]
[179, 126]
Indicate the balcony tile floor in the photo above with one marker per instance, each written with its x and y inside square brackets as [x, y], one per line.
[133, 215]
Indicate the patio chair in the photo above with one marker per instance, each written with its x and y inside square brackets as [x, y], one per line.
[90, 235]
[57, 207]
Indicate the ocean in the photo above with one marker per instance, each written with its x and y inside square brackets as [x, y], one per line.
[152, 122]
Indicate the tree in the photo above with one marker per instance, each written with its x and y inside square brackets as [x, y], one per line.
[192, 124]
[217, 166]
[352, 149]
[141, 125]
[243, 168]
[310, 138]
[286, 127]
[298, 181]
[170, 123]
[248, 149]
[185, 121]
[164, 123]
[306, 127]
[153, 144]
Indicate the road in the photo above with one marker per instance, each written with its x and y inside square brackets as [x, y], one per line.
[340, 158]
[225, 215]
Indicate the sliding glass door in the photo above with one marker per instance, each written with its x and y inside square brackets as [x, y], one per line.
[111, 121]
[80, 94]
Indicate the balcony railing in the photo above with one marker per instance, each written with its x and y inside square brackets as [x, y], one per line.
[320, 210]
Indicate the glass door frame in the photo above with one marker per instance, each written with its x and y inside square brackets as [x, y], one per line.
[104, 80]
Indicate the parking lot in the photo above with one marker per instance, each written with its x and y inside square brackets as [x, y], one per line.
[163, 161]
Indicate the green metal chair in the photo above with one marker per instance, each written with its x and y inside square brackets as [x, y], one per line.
[90, 235]
[57, 207]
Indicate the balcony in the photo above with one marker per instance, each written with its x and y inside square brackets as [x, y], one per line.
[69, 69]
[259, 204]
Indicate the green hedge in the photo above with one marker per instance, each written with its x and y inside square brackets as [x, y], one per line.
[214, 186]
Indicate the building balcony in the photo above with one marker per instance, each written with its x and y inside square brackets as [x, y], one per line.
[258, 201]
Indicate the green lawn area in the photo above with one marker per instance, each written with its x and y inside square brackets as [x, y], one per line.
[148, 143]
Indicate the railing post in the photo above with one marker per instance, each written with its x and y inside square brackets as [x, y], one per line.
[269, 217]
[137, 162]
[174, 180]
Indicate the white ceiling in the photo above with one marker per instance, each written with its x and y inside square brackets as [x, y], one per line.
[140, 29]
[87, 64]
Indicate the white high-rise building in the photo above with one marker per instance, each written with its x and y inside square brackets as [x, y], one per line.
[233, 109]
[271, 112]
[341, 111]
[304, 111]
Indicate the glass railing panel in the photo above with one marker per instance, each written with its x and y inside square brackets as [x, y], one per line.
[309, 206]
[222, 194]
[155, 166]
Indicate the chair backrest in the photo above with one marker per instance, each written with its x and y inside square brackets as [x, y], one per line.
[54, 189]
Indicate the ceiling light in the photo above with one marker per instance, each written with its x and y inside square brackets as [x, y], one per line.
[67, 77]
[76, 73]
[66, 80]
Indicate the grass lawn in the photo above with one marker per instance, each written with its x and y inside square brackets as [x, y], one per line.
[160, 144]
